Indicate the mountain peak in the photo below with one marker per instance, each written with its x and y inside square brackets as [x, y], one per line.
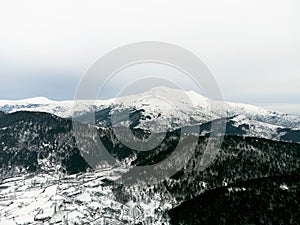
[27, 101]
[37, 100]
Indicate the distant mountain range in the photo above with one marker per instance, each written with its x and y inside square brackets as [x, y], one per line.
[149, 111]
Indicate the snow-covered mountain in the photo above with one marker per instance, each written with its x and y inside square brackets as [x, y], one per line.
[38, 152]
[162, 109]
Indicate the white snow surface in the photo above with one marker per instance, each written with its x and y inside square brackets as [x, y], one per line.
[52, 198]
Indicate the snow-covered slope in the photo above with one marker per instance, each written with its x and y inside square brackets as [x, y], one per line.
[63, 109]
[87, 198]
[160, 108]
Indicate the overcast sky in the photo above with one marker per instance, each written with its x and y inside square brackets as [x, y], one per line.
[252, 47]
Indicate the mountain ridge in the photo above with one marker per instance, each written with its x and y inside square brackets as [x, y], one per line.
[163, 109]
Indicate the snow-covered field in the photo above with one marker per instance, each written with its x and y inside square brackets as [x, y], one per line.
[75, 199]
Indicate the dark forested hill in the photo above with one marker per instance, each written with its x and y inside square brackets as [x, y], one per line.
[32, 141]
[269, 200]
